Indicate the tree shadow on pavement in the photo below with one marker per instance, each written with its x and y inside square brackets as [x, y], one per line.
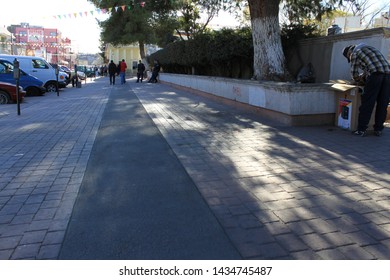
[280, 192]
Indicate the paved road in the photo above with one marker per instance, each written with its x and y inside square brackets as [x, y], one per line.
[273, 192]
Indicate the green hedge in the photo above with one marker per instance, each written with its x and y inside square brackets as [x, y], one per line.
[225, 53]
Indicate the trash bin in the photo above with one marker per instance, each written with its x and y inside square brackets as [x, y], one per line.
[348, 100]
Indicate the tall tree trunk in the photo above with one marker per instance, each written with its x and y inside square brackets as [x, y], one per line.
[269, 61]
[142, 53]
[142, 49]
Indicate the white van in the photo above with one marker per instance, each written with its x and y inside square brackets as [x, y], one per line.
[38, 67]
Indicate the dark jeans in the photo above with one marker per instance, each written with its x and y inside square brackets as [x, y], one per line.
[377, 89]
[112, 79]
[153, 79]
[140, 75]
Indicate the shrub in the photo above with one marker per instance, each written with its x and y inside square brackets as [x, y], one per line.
[226, 53]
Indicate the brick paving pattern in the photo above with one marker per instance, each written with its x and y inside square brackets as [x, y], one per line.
[43, 155]
[279, 192]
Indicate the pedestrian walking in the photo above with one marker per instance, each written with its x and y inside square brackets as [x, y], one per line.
[123, 67]
[118, 68]
[75, 78]
[112, 72]
[376, 79]
[155, 71]
[140, 71]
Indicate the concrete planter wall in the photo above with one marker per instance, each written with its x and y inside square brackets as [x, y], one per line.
[292, 104]
[289, 103]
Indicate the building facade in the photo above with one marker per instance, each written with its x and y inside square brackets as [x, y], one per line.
[130, 53]
[42, 42]
[383, 20]
[5, 40]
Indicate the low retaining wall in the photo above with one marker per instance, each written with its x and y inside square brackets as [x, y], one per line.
[289, 103]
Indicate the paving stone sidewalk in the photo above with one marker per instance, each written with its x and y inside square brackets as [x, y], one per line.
[280, 192]
[43, 155]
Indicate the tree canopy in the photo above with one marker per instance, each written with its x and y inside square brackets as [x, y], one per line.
[139, 22]
[156, 22]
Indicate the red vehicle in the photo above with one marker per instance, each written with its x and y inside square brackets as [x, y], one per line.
[8, 93]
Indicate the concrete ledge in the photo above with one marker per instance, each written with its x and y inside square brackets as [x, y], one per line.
[289, 103]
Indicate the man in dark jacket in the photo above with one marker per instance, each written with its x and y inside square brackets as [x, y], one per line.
[112, 72]
[156, 70]
[376, 77]
[140, 71]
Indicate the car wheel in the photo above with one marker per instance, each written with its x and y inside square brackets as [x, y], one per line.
[51, 87]
[33, 91]
[4, 97]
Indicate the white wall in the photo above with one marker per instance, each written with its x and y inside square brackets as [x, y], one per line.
[288, 98]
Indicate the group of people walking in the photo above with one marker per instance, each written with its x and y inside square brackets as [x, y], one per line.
[120, 70]
[141, 72]
[117, 70]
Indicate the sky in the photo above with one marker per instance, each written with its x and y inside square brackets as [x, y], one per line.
[380, 3]
[82, 30]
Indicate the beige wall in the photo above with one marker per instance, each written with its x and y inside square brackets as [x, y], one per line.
[130, 53]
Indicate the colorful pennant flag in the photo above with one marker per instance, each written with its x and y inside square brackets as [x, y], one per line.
[97, 10]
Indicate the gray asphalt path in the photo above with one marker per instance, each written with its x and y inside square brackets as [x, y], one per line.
[136, 201]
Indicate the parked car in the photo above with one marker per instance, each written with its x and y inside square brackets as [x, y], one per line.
[8, 93]
[30, 84]
[87, 70]
[80, 74]
[64, 69]
[38, 67]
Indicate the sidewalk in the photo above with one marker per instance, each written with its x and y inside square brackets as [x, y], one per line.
[278, 192]
[136, 201]
[44, 154]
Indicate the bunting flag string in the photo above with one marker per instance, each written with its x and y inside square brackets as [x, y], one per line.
[46, 45]
[37, 36]
[97, 11]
